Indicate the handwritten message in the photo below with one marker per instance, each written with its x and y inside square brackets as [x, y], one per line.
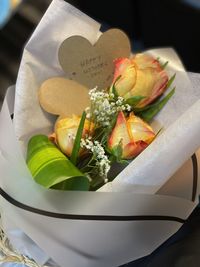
[93, 66]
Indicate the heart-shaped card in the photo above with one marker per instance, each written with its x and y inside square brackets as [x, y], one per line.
[92, 65]
[86, 67]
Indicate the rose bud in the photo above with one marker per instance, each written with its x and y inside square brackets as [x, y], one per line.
[65, 133]
[132, 133]
[141, 75]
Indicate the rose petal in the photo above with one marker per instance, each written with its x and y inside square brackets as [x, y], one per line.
[144, 83]
[141, 75]
[119, 133]
[144, 61]
[139, 130]
[126, 69]
[65, 132]
[158, 89]
[133, 149]
[133, 133]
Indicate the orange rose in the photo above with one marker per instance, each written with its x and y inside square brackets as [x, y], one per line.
[141, 75]
[65, 133]
[132, 133]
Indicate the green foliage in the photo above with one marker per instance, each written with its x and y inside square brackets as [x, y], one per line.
[150, 111]
[51, 168]
[77, 141]
[113, 88]
[134, 100]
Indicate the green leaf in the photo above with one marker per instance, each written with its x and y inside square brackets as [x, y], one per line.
[113, 88]
[114, 91]
[152, 110]
[116, 154]
[159, 131]
[77, 141]
[164, 65]
[117, 151]
[124, 161]
[74, 184]
[170, 81]
[134, 100]
[51, 168]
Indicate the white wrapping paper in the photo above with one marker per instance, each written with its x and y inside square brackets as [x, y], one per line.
[97, 242]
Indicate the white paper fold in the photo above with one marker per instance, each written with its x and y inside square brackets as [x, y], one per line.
[94, 243]
[40, 62]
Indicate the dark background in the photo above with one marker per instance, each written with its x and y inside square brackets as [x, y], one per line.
[149, 23]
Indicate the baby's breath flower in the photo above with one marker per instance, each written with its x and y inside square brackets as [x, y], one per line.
[101, 160]
[88, 116]
[104, 107]
[128, 107]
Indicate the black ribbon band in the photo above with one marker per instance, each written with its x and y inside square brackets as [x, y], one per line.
[195, 176]
[88, 217]
[105, 217]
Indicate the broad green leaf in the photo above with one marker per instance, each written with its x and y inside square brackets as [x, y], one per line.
[77, 140]
[51, 168]
[74, 184]
[149, 113]
[134, 100]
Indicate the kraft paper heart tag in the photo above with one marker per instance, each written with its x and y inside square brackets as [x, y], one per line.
[86, 66]
[63, 97]
[92, 65]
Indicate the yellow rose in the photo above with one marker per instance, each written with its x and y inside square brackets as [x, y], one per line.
[141, 75]
[132, 133]
[65, 133]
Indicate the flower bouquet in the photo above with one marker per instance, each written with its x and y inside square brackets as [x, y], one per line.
[108, 132]
[127, 147]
